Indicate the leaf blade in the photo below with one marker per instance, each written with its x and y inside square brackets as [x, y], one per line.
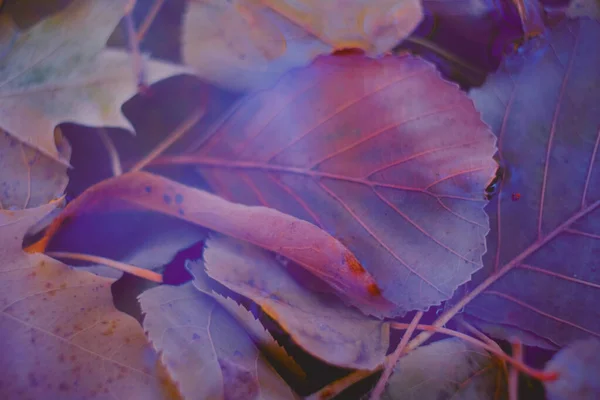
[414, 184]
[553, 172]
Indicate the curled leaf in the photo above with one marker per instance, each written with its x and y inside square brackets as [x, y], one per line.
[298, 240]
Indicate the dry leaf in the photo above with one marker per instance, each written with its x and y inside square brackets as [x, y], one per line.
[57, 72]
[447, 369]
[320, 324]
[382, 154]
[61, 336]
[261, 337]
[205, 350]
[298, 240]
[28, 178]
[247, 44]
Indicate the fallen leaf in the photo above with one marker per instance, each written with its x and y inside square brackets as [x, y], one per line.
[205, 350]
[29, 178]
[62, 337]
[578, 367]
[141, 238]
[293, 238]
[322, 325]
[447, 369]
[57, 71]
[246, 44]
[261, 337]
[541, 269]
[382, 154]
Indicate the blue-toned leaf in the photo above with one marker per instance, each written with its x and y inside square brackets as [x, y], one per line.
[544, 245]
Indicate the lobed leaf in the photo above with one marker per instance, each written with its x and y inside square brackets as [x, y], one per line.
[205, 350]
[541, 271]
[57, 71]
[382, 154]
[320, 324]
[62, 337]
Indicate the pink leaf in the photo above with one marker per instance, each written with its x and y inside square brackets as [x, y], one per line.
[291, 237]
[542, 262]
[383, 154]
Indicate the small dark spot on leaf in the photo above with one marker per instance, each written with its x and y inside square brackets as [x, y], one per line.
[167, 199]
[181, 211]
[148, 189]
[178, 198]
[63, 386]
[195, 336]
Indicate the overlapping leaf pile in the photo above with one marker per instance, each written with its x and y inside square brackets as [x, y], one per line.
[340, 194]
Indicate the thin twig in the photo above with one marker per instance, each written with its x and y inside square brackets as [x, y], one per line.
[149, 19]
[335, 388]
[172, 138]
[428, 44]
[513, 376]
[519, 365]
[134, 46]
[392, 360]
[113, 154]
[132, 269]
[484, 338]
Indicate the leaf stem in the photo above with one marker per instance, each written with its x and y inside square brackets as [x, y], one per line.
[513, 376]
[149, 19]
[336, 387]
[392, 360]
[113, 154]
[134, 45]
[172, 138]
[519, 365]
[132, 269]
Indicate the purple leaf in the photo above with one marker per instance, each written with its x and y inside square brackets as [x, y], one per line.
[205, 350]
[291, 237]
[543, 248]
[578, 366]
[60, 333]
[322, 325]
[382, 154]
